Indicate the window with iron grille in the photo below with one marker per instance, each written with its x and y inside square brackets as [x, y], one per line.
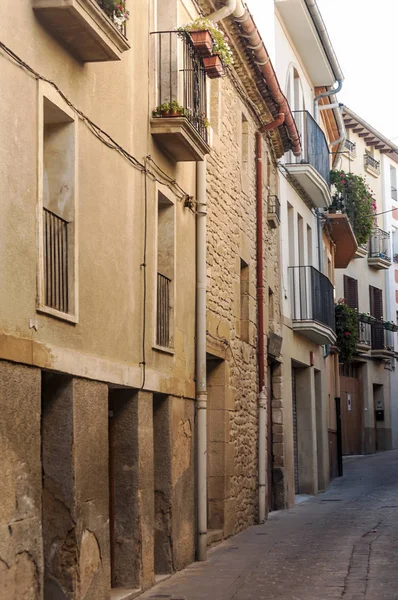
[56, 293]
[165, 273]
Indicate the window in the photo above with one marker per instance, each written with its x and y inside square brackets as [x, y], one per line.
[244, 301]
[165, 273]
[57, 228]
[309, 245]
[351, 291]
[393, 177]
[376, 310]
[245, 143]
[271, 306]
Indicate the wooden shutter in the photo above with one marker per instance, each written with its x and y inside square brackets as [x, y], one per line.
[351, 291]
[376, 310]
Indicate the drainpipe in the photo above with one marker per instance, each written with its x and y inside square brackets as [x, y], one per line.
[327, 94]
[232, 7]
[262, 396]
[201, 382]
[255, 43]
[324, 36]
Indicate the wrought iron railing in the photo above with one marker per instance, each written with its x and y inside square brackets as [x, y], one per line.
[315, 150]
[351, 146]
[364, 333]
[371, 162]
[181, 77]
[55, 245]
[379, 244]
[163, 311]
[312, 296]
[382, 339]
[274, 206]
[108, 9]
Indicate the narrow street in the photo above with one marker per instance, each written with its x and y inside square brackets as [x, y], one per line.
[340, 544]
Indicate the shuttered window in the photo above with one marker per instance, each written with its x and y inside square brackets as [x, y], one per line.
[351, 291]
[376, 310]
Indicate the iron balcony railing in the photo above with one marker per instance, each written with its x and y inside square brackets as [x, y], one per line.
[371, 162]
[364, 333]
[274, 206]
[315, 151]
[351, 146]
[108, 9]
[181, 77]
[379, 244]
[382, 339]
[312, 296]
[55, 232]
[163, 311]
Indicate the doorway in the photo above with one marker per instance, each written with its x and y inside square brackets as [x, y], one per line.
[351, 409]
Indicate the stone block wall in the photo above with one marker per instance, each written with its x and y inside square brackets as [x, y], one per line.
[231, 243]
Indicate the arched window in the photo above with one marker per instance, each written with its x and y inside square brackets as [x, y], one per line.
[294, 91]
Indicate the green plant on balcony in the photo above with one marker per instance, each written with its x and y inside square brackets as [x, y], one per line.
[170, 109]
[116, 10]
[220, 40]
[390, 326]
[367, 318]
[346, 330]
[353, 196]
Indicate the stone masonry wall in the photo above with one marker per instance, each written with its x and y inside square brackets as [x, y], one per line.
[231, 194]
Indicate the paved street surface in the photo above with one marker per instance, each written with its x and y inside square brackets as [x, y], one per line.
[341, 544]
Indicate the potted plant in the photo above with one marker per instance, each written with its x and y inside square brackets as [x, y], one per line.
[116, 10]
[346, 330]
[221, 53]
[169, 109]
[390, 326]
[352, 195]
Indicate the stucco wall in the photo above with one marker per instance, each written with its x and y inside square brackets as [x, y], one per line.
[106, 343]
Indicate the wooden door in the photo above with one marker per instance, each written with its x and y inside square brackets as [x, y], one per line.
[351, 415]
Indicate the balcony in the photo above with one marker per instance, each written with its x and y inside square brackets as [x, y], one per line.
[364, 342]
[379, 250]
[179, 123]
[311, 169]
[383, 341]
[351, 147]
[312, 304]
[86, 29]
[343, 236]
[274, 212]
[371, 165]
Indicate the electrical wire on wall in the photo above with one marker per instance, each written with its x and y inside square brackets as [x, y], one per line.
[149, 168]
[155, 174]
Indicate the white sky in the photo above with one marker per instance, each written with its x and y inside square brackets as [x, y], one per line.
[364, 35]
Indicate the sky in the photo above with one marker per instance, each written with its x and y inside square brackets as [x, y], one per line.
[364, 35]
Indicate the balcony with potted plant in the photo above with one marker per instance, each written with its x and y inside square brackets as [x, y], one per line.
[211, 44]
[92, 30]
[351, 216]
[179, 123]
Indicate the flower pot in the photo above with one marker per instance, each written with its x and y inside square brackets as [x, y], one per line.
[166, 113]
[213, 66]
[202, 42]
